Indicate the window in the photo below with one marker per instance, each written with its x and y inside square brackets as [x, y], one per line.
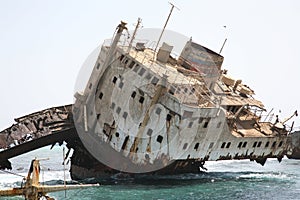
[254, 144]
[133, 94]
[190, 124]
[121, 57]
[274, 144]
[117, 134]
[200, 120]
[280, 144]
[131, 64]
[100, 95]
[223, 145]
[169, 117]
[125, 114]
[159, 138]
[98, 65]
[148, 76]
[154, 81]
[118, 110]
[121, 85]
[158, 111]
[205, 125]
[141, 72]
[149, 132]
[245, 144]
[172, 90]
[141, 99]
[125, 142]
[196, 146]
[240, 144]
[90, 86]
[211, 145]
[259, 144]
[136, 68]
[185, 146]
[267, 144]
[228, 145]
[98, 116]
[114, 79]
[113, 105]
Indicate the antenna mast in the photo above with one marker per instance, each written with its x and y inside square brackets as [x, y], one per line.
[165, 25]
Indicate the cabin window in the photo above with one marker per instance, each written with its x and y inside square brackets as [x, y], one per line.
[121, 85]
[169, 117]
[121, 57]
[196, 146]
[258, 144]
[192, 91]
[148, 76]
[245, 144]
[172, 90]
[240, 144]
[228, 145]
[131, 64]
[126, 61]
[223, 145]
[158, 111]
[185, 146]
[200, 120]
[136, 68]
[98, 116]
[205, 125]
[133, 94]
[154, 81]
[254, 144]
[90, 86]
[141, 100]
[117, 134]
[113, 105]
[114, 79]
[149, 132]
[125, 114]
[280, 144]
[141, 72]
[100, 95]
[118, 110]
[211, 145]
[98, 65]
[159, 138]
[190, 124]
[185, 90]
[267, 144]
[274, 144]
[125, 142]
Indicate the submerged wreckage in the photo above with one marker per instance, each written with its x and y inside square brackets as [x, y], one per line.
[149, 111]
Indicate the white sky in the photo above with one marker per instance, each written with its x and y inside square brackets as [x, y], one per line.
[44, 43]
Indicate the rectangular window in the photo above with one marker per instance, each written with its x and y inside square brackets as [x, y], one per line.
[141, 72]
[154, 81]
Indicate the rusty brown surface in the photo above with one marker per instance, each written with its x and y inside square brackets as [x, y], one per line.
[36, 130]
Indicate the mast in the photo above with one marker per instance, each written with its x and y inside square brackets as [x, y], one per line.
[134, 33]
[162, 32]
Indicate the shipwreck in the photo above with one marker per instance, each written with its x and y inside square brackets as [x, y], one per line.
[148, 110]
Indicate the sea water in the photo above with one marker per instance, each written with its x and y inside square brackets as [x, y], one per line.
[223, 180]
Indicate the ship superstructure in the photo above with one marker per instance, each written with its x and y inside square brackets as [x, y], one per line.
[151, 109]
